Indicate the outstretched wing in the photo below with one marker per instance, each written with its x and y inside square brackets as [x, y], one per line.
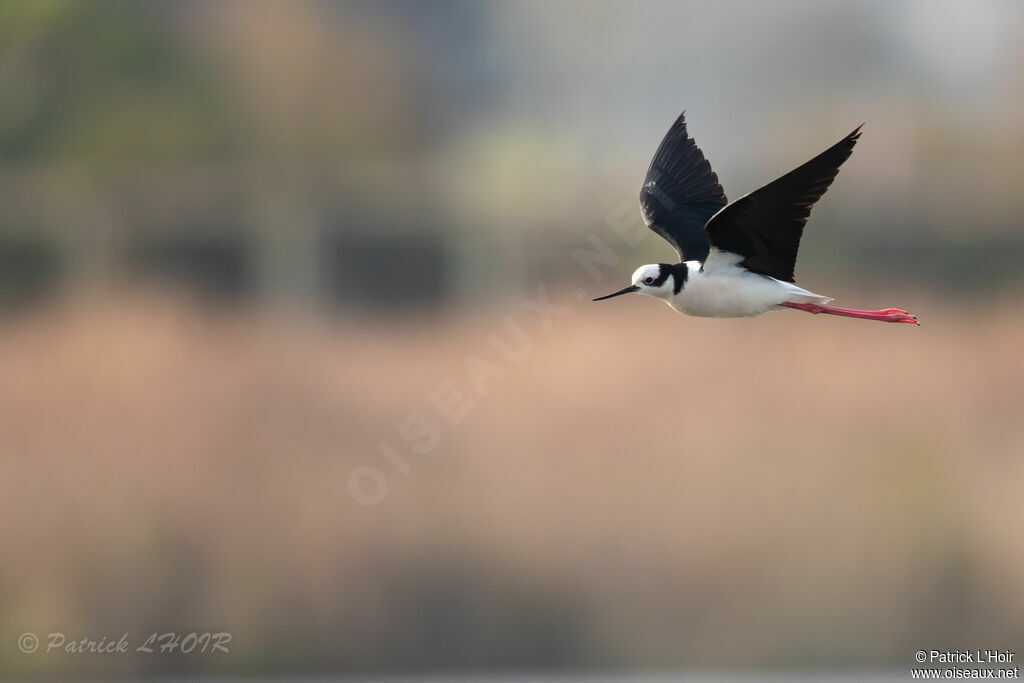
[681, 193]
[765, 226]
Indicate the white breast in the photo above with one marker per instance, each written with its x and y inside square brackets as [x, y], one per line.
[724, 290]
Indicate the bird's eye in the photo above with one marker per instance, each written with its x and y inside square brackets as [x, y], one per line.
[648, 280]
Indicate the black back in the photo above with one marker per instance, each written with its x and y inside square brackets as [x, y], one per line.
[765, 226]
[680, 194]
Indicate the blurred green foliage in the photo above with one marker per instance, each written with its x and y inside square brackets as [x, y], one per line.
[104, 83]
[138, 139]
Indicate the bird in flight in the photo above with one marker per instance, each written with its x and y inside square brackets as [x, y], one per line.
[736, 260]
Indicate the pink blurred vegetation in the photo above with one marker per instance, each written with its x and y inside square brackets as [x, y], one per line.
[640, 488]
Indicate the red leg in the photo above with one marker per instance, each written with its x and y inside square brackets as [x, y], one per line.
[888, 315]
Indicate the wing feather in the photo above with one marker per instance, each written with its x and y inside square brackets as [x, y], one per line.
[765, 226]
[680, 194]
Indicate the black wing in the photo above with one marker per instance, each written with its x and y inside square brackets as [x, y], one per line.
[681, 193]
[765, 226]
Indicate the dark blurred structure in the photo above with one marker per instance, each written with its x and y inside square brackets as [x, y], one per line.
[243, 148]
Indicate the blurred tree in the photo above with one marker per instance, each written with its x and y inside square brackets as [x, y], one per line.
[103, 82]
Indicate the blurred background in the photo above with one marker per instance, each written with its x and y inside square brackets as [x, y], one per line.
[276, 360]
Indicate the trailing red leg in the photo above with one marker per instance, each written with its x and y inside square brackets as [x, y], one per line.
[888, 315]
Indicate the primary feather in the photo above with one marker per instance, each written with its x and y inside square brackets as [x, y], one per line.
[680, 193]
[765, 226]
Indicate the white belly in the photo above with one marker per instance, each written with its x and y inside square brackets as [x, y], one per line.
[732, 292]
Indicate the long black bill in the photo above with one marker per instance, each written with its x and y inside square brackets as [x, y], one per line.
[624, 290]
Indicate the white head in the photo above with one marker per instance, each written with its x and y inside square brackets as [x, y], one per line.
[657, 279]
